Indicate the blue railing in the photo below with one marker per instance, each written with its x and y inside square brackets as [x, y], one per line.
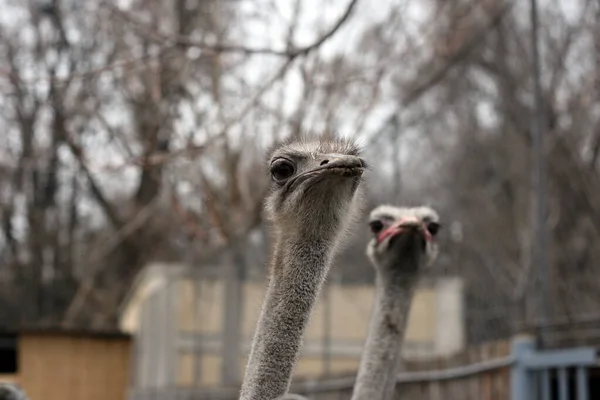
[533, 370]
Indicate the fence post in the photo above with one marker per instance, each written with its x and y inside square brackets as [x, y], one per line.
[522, 346]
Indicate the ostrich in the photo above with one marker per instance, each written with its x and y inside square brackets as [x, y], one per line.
[401, 247]
[315, 196]
[9, 391]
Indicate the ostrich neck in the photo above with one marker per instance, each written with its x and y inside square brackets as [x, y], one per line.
[298, 269]
[380, 360]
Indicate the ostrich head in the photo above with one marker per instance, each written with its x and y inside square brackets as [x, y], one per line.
[314, 196]
[315, 186]
[403, 233]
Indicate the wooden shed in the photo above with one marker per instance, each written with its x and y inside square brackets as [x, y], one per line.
[58, 364]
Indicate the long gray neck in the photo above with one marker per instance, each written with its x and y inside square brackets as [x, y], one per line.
[298, 271]
[380, 360]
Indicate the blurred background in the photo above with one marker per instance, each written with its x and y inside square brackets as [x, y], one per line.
[132, 151]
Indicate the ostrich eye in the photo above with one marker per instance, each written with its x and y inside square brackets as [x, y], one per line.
[282, 169]
[433, 228]
[376, 226]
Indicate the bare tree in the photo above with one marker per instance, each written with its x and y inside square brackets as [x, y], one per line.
[135, 134]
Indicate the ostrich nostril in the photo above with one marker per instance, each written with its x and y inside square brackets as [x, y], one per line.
[324, 162]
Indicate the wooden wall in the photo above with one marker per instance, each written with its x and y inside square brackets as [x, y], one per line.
[60, 366]
[487, 385]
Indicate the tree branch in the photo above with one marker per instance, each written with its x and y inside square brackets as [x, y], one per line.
[439, 72]
[110, 212]
[290, 53]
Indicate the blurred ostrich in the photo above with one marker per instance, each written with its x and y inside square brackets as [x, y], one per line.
[402, 245]
[9, 391]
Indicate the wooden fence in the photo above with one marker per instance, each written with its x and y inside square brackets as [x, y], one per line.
[505, 370]
[479, 373]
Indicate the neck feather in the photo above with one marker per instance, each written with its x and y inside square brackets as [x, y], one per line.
[298, 271]
[380, 361]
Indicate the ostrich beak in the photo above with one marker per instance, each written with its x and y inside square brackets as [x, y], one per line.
[404, 225]
[331, 166]
[347, 166]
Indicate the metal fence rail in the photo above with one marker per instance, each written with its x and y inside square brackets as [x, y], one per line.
[532, 372]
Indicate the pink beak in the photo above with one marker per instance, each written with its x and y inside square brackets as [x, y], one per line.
[400, 226]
